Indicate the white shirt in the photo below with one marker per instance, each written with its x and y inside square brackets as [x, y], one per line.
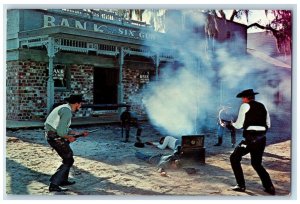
[245, 107]
[169, 141]
[61, 125]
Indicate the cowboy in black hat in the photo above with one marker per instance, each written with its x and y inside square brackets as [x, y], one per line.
[59, 136]
[254, 118]
[246, 93]
[129, 119]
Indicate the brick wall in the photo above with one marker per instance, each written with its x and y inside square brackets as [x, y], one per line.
[133, 86]
[26, 90]
[82, 78]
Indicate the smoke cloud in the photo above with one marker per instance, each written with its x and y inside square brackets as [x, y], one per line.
[188, 95]
[174, 106]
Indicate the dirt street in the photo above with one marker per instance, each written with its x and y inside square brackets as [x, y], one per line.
[104, 165]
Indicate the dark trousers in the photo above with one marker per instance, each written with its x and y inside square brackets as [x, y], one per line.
[233, 136]
[127, 126]
[63, 149]
[255, 145]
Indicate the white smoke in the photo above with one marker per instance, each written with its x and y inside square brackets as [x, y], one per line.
[232, 70]
[187, 97]
[174, 103]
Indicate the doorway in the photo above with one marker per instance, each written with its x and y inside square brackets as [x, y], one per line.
[106, 85]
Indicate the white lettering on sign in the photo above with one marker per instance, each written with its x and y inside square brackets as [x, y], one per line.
[50, 21]
[127, 32]
[101, 28]
[79, 25]
[144, 77]
[58, 74]
[65, 22]
[142, 35]
[131, 33]
[121, 31]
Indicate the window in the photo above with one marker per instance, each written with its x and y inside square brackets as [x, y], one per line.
[144, 77]
[61, 77]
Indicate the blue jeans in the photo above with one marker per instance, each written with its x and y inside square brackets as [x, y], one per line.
[148, 158]
[220, 133]
[142, 156]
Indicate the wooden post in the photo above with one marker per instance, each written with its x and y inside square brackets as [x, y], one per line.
[50, 82]
[120, 84]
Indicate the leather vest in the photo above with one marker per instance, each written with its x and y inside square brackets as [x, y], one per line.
[256, 116]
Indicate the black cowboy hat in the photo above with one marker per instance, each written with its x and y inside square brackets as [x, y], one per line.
[75, 99]
[246, 93]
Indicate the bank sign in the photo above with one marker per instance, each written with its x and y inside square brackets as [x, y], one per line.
[50, 21]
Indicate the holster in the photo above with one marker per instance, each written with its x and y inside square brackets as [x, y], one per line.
[252, 136]
[51, 135]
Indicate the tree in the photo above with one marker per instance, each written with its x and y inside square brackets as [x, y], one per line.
[280, 26]
[138, 13]
[129, 14]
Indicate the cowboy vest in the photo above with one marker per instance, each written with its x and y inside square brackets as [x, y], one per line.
[256, 116]
[53, 118]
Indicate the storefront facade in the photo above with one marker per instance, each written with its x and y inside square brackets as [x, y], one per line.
[54, 53]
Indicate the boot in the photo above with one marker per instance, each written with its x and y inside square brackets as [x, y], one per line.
[126, 139]
[138, 139]
[53, 187]
[270, 190]
[139, 132]
[220, 141]
[239, 188]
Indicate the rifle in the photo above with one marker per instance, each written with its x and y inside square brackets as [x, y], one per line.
[89, 131]
[225, 121]
[228, 124]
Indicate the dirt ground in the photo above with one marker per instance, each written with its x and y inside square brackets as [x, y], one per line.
[106, 166]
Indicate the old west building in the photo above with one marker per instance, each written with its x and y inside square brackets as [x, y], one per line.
[53, 53]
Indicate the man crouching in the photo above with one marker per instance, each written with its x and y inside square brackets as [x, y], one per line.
[59, 136]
